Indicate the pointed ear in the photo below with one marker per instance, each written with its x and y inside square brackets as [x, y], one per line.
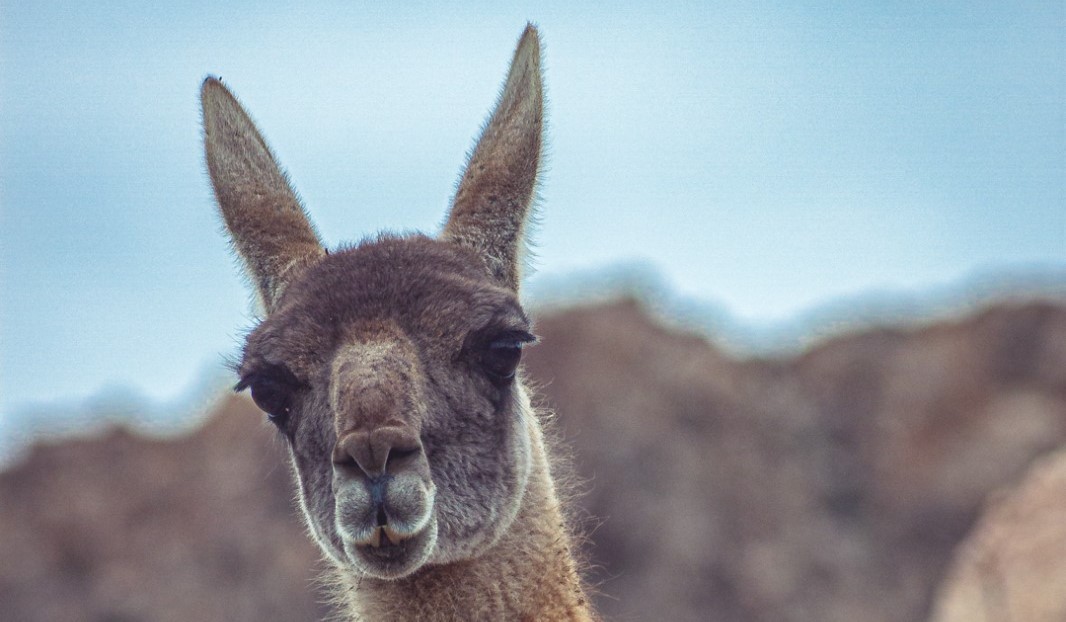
[268, 227]
[496, 191]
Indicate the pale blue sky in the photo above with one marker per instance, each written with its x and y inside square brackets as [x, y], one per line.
[765, 159]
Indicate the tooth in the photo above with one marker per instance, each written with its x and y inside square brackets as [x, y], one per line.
[375, 537]
[392, 535]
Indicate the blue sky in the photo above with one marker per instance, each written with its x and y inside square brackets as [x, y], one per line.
[765, 159]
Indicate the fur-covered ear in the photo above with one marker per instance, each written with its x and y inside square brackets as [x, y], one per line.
[269, 228]
[493, 201]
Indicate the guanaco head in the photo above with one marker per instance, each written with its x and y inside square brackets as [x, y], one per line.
[391, 366]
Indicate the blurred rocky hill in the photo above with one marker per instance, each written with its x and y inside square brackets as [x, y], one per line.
[121, 528]
[834, 485]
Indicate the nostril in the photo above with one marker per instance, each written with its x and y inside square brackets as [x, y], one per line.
[400, 456]
[345, 462]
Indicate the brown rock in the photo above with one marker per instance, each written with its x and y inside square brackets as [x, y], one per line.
[1012, 566]
[830, 486]
[121, 527]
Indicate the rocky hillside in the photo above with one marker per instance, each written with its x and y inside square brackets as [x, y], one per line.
[122, 528]
[829, 486]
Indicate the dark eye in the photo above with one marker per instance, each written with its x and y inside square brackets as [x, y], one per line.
[500, 356]
[273, 391]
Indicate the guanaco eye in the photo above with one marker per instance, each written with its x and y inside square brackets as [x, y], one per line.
[500, 356]
[273, 391]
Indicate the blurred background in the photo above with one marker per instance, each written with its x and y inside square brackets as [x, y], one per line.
[800, 273]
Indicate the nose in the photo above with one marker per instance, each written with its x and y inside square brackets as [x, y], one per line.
[383, 450]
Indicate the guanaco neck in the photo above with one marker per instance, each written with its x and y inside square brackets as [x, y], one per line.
[530, 574]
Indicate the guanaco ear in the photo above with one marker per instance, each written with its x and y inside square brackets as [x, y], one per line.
[496, 191]
[269, 228]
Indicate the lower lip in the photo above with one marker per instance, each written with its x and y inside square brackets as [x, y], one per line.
[386, 552]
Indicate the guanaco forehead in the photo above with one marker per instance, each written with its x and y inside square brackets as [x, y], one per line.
[434, 294]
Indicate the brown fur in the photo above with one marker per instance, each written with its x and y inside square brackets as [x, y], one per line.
[422, 469]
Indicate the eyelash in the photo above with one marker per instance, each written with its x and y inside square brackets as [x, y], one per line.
[500, 356]
[273, 391]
